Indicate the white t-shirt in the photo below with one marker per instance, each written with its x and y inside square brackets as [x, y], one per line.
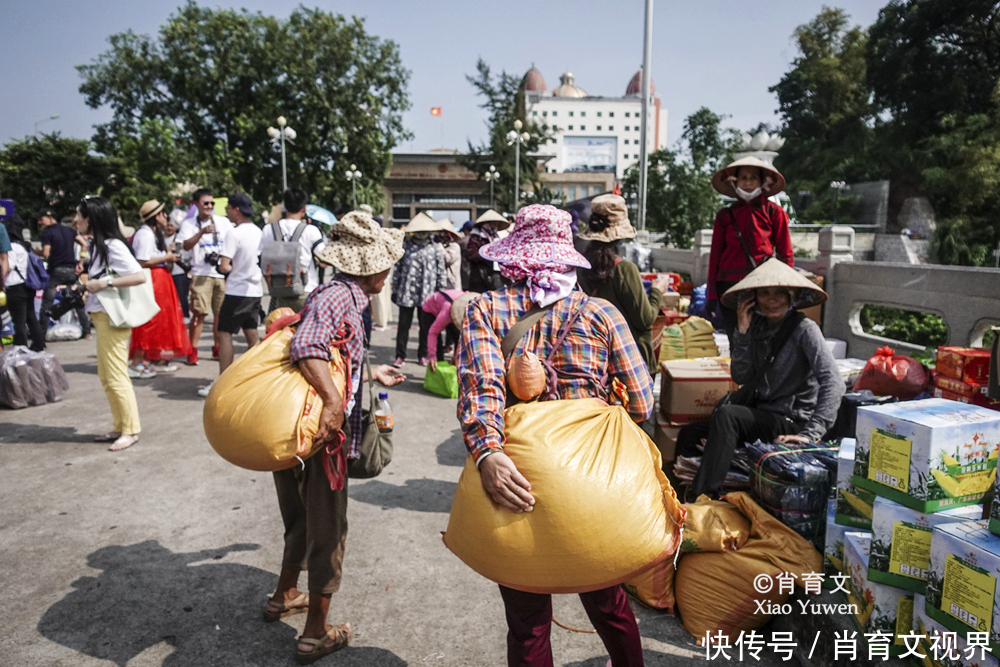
[122, 264]
[18, 260]
[144, 244]
[206, 244]
[311, 241]
[242, 247]
[176, 270]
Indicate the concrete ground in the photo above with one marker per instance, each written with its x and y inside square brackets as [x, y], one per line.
[163, 554]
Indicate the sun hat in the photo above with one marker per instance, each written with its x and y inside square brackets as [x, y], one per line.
[421, 222]
[359, 246]
[541, 235]
[459, 306]
[242, 203]
[492, 216]
[149, 210]
[608, 220]
[775, 273]
[724, 180]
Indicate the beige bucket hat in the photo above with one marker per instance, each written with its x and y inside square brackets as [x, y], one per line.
[775, 273]
[149, 209]
[724, 180]
[492, 216]
[421, 222]
[608, 220]
[359, 246]
[459, 306]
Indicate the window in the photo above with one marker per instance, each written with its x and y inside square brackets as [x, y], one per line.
[598, 128]
[571, 127]
[582, 114]
[570, 114]
[555, 113]
[571, 192]
[545, 113]
[583, 128]
[534, 113]
[611, 128]
[626, 128]
[626, 143]
[598, 114]
[611, 114]
[626, 156]
[626, 114]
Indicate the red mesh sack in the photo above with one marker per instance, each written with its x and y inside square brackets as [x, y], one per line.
[889, 374]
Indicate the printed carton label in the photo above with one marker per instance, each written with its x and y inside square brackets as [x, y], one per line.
[911, 550]
[904, 618]
[889, 460]
[967, 594]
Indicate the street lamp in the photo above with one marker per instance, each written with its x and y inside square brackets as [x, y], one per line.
[353, 175]
[516, 137]
[491, 177]
[45, 120]
[283, 134]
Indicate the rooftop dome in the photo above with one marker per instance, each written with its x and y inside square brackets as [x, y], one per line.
[635, 85]
[534, 81]
[567, 88]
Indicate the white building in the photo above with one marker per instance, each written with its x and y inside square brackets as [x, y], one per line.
[592, 133]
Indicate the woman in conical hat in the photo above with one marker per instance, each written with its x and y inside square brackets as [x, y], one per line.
[747, 231]
[483, 275]
[791, 388]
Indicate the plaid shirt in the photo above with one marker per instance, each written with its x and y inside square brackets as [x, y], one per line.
[599, 342]
[328, 306]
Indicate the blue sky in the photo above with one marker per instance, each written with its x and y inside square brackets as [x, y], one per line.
[716, 53]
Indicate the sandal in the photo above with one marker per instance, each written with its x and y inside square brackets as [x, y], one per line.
[295, 606]
[108, 437]
[341, 636]
[123, 442]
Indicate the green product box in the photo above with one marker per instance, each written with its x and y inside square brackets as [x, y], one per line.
[876, 606]
[929, 455]
[901, 542]
[962, 581]
[933, 632]
[833, 551]
[854, 505]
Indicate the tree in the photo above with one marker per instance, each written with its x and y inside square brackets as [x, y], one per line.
[827, 113]
[51, 170]
[504, 100]
[216, 79]
[680, 199]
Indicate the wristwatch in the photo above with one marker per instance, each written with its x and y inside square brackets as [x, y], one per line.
[109, 282]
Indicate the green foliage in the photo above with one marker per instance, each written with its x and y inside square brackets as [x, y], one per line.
[504, 101]
[909, 326]
[215, 79]
[51, 170]
[680, 199]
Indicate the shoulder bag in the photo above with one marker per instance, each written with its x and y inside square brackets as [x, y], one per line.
[129, 307]
[376, 444]
[743, 241]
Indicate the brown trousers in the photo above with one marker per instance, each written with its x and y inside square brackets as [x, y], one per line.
[315, 521]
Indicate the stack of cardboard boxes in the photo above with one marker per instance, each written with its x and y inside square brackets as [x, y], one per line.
[689, 390]
[962, 374]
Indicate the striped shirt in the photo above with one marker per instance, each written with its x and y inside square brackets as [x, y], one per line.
[598, 343]
[326, 309]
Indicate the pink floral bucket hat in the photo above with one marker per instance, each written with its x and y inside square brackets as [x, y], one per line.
[540, 241]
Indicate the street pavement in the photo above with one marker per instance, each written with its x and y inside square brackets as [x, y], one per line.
[164, 554]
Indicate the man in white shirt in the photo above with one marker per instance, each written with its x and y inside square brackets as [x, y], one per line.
[311, 241]
[239, 263]
[203, 236]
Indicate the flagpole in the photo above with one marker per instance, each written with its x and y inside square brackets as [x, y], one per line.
[647, 79]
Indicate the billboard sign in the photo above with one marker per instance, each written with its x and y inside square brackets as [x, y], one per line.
[590, 153]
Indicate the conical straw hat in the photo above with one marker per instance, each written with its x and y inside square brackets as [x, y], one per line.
[775, 273]
[722, 184]
[446, 226]
[492, 216]
[421, 222]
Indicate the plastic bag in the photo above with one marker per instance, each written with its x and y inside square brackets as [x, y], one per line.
[443, 381]
[60, 332]
[716, 590]
[262, 406]
[638, 254]
[604, 511]
[889, 374]
[30, 378]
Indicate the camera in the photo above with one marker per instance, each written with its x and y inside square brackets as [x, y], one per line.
[69, 299]
[212, 258]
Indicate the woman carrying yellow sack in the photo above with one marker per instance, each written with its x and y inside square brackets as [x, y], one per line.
[583, 340]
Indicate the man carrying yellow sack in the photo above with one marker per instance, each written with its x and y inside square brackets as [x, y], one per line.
[586, 340]
[313, 497]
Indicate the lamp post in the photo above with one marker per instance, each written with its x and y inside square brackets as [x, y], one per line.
[281, 135]
[353, 175]
[491, 177]
[516, 137]
[45, 120]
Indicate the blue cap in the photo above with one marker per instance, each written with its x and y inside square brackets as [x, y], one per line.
[383, 395]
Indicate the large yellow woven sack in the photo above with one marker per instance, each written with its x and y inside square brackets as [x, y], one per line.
[604, 512]
[655, 587]
[715, 590]
[262, 407]
[714, 525]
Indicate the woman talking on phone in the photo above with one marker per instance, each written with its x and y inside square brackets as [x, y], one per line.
[791, 388]
[111, 265]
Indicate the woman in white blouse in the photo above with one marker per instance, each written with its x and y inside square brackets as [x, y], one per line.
[111, 265]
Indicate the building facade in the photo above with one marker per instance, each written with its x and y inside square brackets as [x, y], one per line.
[593, 133]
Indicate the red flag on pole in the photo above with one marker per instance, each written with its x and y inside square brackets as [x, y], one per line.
[617, 190]
[435, 111]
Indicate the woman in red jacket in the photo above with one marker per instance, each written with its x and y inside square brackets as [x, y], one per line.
[746, 232]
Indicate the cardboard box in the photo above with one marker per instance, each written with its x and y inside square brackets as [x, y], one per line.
[666, 439]
[853, 505]
[960, 387]
[962, 582]
[929, 455]
[670, 301]
[877, 606]
[931, 633]
[690, 388]
[901, 542]
[833, 546]
[964, 363]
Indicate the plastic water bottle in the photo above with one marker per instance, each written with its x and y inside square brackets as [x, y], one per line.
[383, 413]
